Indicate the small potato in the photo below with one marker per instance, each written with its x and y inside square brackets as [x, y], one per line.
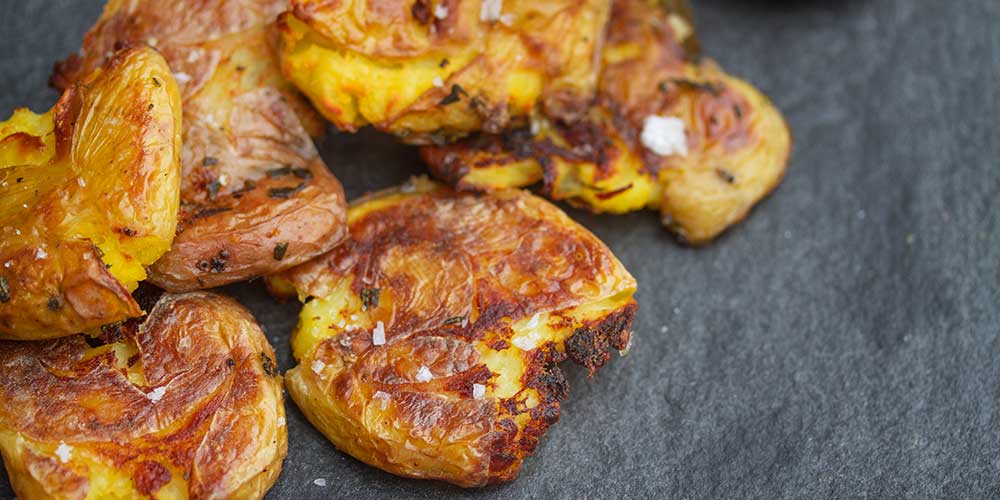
[736, 144]
[427, 70]
[256, 197]
[88, 197]
[428, 342]
[186, 403]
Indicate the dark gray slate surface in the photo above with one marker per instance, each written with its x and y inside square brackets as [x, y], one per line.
[842, 343]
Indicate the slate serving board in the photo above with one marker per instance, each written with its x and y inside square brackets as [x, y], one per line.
[842, 343]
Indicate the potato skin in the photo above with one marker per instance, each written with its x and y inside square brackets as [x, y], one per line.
[487, 291]
[252, 178]
[738, 143]
[426, 70]
[185, 403]
[83, 207]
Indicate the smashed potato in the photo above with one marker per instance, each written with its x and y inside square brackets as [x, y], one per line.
[255, 197]
[428, 342]
[426, 70]
[731, 152]
[186, 403]
[88, 198]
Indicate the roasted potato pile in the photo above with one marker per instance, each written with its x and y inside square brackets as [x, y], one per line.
[668, 130]
[428, 70]
[186, 403]
[256, 197]
[428, 342]
[88, 198]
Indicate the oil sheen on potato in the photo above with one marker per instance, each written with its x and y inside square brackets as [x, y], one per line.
[428, 343]
[736, 144]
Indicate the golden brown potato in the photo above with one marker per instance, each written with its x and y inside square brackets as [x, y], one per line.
[734, 143]
[186, 403]
[88, 197]
[431, 69]
[255, 195]
[428, 342]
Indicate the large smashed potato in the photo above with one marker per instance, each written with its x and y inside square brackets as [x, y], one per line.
[737, 143]
[186, 403]
[428, 342]
[256, 197]
[88, 198]
[427, 70]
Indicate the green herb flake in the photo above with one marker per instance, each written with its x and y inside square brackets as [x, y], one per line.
[280, 249]
[4, 290]
[369, 298]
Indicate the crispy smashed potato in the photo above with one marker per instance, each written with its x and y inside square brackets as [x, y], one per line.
[255, 197]
[88, 197]
[428, 342]
[186, 403]
[427, 70]
[737, 143]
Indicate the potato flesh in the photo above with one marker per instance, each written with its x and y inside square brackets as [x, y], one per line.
[738, 142]
[186, 404]
[409, 406]
[88, 198]
[424, 79]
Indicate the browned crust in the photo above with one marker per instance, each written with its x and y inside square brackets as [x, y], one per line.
[453, 272]
[230, 221]
[215, 413]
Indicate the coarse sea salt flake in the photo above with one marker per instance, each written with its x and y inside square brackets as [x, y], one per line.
[378, 334]
[40, 253]
[64, 452]
[320, 482]
[438, 82]
[382, 398]
[424, 374]
[524, 343]
[318, 366]
[157, 394]
[440, 11]
[478, 391]
[182, 77]
[490, 10]
[664, 135]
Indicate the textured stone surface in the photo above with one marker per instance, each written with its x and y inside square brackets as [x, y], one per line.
[841, 343]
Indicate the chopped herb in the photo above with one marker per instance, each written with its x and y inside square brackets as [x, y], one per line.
[738, 110]
[454, 96]
[127, 231]
[218, 263]
[369, 298]
[302, 173]
[213, 189]
[444, 63]
[699, 86]
[284, 192]
[4, 290]
[230, 362]
[309, 298]
[54, 304]
[454, 320]
[280, 249]
[19, 179]
[267, 363]
[100, 253]
[726, 175]
[156, 82]
[208, 212]
[421, 11]
[240, 68]
[209, 161]
[274, 173]
[150, 107]
[662, 86]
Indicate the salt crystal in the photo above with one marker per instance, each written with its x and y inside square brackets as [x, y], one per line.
[628, 348]
[320, 482]
[40, 253]
[664, 329]
[440, 11]
[524, 343]
[182, 77]
[157, 394]
[282, 422]
[424, 374]
[378, 334]
[64, 452]
[664, 135]
[318, 366]
[438, 82]
[478, 391]
[533, 322]
[490, 10]
[81, 182]
[507, 19]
